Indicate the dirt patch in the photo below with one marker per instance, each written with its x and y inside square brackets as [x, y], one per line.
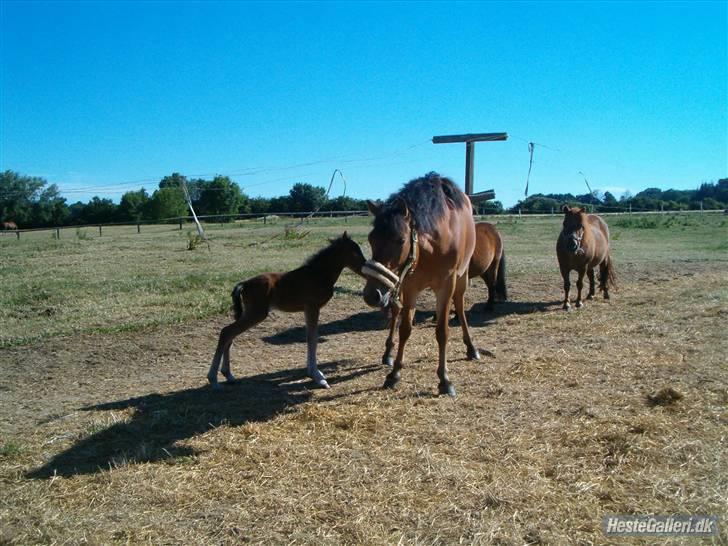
[116, 438]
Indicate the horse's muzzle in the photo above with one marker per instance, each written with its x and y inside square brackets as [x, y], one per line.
[376, 297]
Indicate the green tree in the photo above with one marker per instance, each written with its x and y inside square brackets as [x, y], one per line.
[98, 211]
[306, 198]
[168, 202]
[18, 193]
[219, 196]
[133, 206]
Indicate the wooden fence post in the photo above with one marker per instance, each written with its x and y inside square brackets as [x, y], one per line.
[99, 230]
[58, 233]
[18, 234]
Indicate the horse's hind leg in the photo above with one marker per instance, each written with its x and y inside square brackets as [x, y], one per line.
[222, 353]
[489, 278]
[592, 291]
[312, 318]
[387, 359]
[459, 300]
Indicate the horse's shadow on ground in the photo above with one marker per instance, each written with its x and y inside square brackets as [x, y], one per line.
[365, 321]
[160, 421]
[480, 315]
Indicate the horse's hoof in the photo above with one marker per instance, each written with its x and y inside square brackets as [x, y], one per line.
[566, 307]
[446, 388]
[579, 304]
[590, 297]
[473, 353]
[230, 379]
[323, 384]
[215, 386]
[390, 381]
[606, 296]
[387, 361]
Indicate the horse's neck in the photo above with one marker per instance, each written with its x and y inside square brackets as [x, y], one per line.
[327, 267]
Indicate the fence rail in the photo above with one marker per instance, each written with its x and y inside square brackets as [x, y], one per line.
[266, 217]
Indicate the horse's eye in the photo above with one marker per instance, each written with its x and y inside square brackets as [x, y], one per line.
[400, 242]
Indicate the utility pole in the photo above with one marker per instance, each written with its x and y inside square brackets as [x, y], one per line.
[470, 139]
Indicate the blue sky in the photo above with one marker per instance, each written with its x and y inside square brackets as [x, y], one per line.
[101, 98]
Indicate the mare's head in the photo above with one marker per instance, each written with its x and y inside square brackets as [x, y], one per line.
[350, 252]
[574, 230]
[391, 243]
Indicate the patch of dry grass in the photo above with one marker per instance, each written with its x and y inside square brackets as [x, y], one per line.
[619, 407]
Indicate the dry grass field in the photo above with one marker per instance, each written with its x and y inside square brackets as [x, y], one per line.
[110, 435]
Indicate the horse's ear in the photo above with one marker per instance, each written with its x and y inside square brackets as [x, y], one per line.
[580, 210]
[345, 235]
[401, 206]
[565, 209]
[373, 207]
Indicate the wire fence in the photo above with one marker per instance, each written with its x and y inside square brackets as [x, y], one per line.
[271, 217]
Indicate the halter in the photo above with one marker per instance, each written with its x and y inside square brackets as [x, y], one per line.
[578, 239]
[387, 277]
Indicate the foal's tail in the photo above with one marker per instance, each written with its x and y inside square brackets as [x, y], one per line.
[501, 291]
[238, 299]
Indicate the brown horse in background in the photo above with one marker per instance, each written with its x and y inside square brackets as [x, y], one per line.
[488, 262]
[9, 225]
[306, 289]
[583, 244]
[422, 237]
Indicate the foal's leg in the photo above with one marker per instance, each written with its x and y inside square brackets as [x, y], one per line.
[592, 291]
[387, 359]
[459, 301]
[579, 285]
[444, 297]
[405, 329]
[227, 335]
[312, 318]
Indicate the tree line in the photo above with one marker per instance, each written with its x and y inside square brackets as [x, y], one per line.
[31, 202]
[708, 196]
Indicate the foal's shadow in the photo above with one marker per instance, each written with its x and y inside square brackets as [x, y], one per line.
[160, 421]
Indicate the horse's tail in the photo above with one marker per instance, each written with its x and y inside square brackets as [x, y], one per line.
[609, 277]
[238, 299]
[500, 282]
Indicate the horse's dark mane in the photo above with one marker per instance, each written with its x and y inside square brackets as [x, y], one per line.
[426, 200]
[324, 255]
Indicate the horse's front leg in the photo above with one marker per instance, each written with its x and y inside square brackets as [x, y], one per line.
[459, 300]
[444, 297]
[405, 329]
[567, 287]
[312, 318]
[579, 286]
[387, 359]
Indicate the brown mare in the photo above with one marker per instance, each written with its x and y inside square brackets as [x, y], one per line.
[8, 225]
[423, 237]
[306, 289]
[583, 245]
[488, 262]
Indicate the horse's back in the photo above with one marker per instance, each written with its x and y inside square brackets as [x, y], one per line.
[600, 233]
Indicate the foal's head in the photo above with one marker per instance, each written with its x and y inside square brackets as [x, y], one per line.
[350, 252]
[574, 230]
[391, 242]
